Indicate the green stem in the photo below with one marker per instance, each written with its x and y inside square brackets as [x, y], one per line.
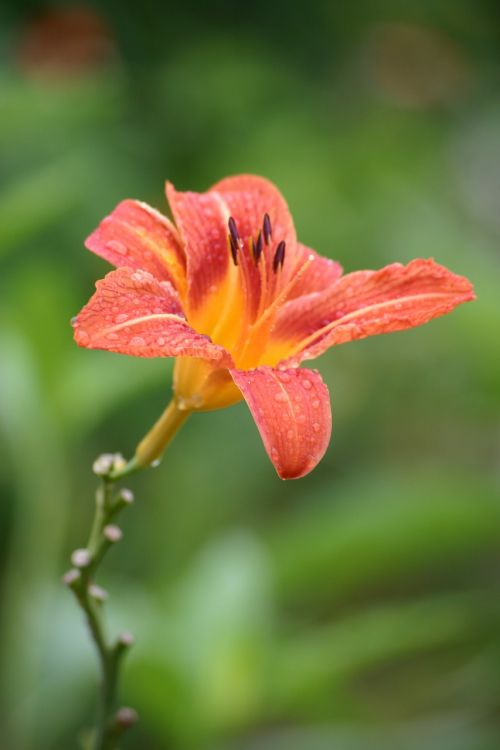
[111, 467]
[110, 654]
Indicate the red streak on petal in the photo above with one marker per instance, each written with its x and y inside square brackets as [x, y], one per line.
[202, 220]
[292, 411]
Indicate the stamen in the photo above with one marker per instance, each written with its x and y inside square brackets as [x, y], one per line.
[233, 248]
[267, 229]
[233, 231]
[279, 256]
[257, 248]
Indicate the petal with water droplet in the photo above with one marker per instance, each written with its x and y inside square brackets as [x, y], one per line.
[295, 441]
[137, 236]
[366, 303]
[151, 323]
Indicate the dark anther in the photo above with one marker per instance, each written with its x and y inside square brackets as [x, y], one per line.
[233, 247]
[257, 248]
[279, 256]
[233, 231]
[266, 226]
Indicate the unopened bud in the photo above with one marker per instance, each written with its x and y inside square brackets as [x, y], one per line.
[126, 639]
[106, 463]
[71, 576]
[98, 593]
[126, 717]
[126, 496]
[112, 533]
[119, 462]
[81, 558]
[103, 464]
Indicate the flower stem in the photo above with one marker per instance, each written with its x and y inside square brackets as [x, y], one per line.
[110, 724]
[152, 446]
[110, 468]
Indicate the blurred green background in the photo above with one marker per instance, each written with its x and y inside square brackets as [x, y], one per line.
[356, 609]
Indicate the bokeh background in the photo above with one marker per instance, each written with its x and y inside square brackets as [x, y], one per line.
[356, 609]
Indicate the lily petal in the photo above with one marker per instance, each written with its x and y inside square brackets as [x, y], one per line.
[133, 313]
[366, 303]
[320, 273]
[137, 236]
[292, 411]
[202, 220]
[250, 197]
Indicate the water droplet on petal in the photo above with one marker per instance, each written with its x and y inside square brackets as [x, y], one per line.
[306, 384]
[112, 336]
[117, 247]
[280, 397]
[284, 377]
[315, 403]
[137, 341]
[290, 434]
[300, 418]
[160, 341]
[316, 426]
[121, 318]
[82, 336]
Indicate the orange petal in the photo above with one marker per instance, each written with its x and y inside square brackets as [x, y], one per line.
[250, 197]
[366, 303]
[133, 313]
[137, 236]
[202, 222]
[320, 274]
[292, 411]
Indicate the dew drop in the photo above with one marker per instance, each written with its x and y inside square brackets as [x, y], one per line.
[284, 377]
[300, 418]
[316, 426]
[315, 403]
[274, 453]
[280, 397]
[117, 247]
[121, 318]
[82, 336]
[307, 385]
[112, 336]
[160, 341]
[141, 276]
[137, 341]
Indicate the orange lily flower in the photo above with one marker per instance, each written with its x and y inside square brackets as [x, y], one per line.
[230, 292]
